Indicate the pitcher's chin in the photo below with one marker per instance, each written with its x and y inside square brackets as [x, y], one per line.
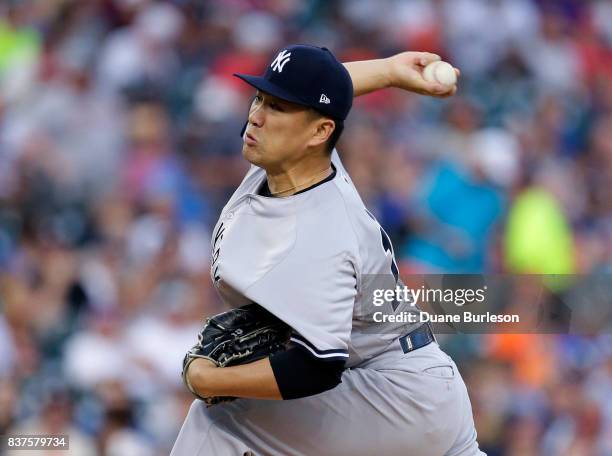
[252, 154]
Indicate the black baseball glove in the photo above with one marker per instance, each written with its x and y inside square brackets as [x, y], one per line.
[238, 336]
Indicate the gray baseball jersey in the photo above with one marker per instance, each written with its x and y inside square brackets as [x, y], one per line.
[313, 260]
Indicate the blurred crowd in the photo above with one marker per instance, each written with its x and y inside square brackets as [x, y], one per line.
[119, 145]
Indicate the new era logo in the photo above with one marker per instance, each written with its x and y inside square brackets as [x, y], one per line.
[279, 62]
[324, 99]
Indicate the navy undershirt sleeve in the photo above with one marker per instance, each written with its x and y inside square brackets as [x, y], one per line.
[299, 374]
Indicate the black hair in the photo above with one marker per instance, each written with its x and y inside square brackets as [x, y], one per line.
[335, 136]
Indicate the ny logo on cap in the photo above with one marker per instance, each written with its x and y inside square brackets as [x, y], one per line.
[280, 60]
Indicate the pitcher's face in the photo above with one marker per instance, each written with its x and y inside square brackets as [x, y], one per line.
[278, 132]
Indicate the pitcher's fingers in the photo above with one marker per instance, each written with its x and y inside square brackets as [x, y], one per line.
[448, 93]
[425, 58]
[430, 88]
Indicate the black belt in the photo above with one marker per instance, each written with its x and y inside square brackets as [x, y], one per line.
[417, 338]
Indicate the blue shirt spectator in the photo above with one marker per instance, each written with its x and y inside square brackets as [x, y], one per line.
[453, 219]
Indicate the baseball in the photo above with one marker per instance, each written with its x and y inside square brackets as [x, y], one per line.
[441, 72]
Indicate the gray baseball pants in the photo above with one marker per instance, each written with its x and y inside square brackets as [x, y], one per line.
[395, 404]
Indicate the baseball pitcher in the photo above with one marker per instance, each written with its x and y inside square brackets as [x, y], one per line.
[298, 366]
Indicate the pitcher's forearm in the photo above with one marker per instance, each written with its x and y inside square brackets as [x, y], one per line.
[254, 380]
[403, 71]
[369, 75]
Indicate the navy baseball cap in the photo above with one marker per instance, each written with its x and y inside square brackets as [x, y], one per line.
[309, 76]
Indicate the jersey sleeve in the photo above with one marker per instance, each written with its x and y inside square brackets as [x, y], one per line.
[313, 287]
